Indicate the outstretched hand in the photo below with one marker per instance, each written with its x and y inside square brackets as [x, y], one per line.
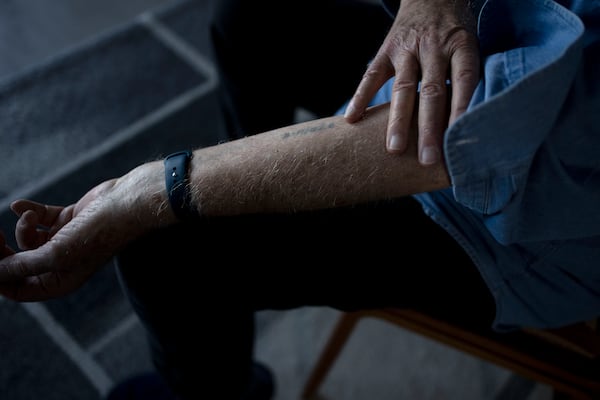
[430, 42]
[40, 271]
[63, 246]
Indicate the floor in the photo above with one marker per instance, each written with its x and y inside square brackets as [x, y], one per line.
[68, 72]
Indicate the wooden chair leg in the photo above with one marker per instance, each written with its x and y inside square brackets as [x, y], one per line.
[574, 377]
[334, 345]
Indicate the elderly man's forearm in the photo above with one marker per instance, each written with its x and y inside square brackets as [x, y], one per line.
[318, 164]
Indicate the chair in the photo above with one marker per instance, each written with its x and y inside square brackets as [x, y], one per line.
[567, 359]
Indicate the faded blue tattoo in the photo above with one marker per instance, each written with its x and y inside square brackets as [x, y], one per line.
[309, 129]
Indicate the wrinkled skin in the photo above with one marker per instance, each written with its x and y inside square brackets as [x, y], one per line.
[431, 41]
[70, 243]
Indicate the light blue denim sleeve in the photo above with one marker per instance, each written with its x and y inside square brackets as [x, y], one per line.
[524, 161]
[525, 165]
[527, 150]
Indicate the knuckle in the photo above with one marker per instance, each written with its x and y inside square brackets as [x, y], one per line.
[463, 37]
[372, 72]
[432, 90]
[404, 84]
[406, 39]
[463, 41]
[465, 75]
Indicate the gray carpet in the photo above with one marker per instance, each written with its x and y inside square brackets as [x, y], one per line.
[89, 89]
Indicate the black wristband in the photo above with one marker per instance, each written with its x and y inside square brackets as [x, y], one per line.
[176, 180]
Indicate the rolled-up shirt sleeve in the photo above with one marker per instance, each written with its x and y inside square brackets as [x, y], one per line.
[522, 156]
[524, 162]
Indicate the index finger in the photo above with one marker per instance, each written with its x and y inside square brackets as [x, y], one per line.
[46, 214]
[376, 75]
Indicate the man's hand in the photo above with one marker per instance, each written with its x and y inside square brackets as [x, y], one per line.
[53, 238]
[431, 41]
[64, 246]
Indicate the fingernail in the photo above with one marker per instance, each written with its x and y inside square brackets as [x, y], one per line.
[395, 143]
[349, 109]
[430, 155]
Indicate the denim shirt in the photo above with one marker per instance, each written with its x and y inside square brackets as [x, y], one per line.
[524, 162]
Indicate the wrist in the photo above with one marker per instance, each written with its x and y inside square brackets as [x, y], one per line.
[145, 197]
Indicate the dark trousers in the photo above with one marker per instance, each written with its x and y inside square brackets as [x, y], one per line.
[196, 286]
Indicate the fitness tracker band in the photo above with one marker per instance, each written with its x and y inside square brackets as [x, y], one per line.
[177, 183]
